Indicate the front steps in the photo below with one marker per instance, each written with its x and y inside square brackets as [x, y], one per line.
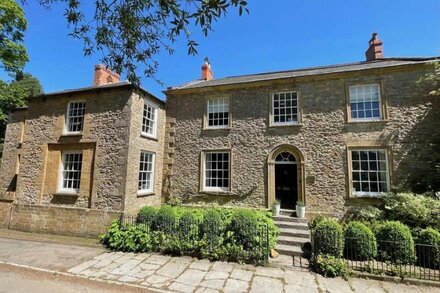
[294, 233]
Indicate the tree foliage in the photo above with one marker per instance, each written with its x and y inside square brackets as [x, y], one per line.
[13, 24]
[13, 95]
[133, 32]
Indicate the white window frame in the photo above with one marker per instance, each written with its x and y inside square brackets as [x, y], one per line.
[215, 188]
[67, 122]
[273, 109]
[152, 173]
[61, 177]
[155, 113]
[367, 194]
[226, 101]
[365, 119]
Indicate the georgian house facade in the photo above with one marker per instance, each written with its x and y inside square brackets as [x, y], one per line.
[332, 137]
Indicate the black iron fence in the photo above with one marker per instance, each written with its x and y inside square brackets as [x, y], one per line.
[394, 258]
[202, 238]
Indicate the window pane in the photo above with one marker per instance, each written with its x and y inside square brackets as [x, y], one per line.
[365, 101]
[216, 170]
[284, 107]
[373, 175]
[149, 119]
[71, 171]
[218, 112]
[75, 116]
[146, 171]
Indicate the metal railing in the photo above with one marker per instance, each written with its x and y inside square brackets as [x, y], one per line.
[199, 238]
[394, 258]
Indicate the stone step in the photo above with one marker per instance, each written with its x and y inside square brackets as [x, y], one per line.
[288, 250]
[289, 240]
[288, 219]
[295, 233]
[292, 225]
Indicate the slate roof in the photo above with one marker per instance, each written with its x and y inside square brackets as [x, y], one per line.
[339, 68]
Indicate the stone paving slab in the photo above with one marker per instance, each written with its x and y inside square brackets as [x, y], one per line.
[188, 275]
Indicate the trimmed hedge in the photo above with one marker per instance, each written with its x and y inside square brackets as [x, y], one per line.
[360, 242]
[395, 243]
[429, 255]
[214, 233]
[329, 238]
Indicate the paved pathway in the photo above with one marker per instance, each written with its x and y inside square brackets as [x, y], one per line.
[184, 274]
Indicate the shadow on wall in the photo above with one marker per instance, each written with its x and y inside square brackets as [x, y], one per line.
[419, 159]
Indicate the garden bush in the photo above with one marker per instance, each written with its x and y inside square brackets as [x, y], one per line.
[315, 221]
[214, 233]
[329, 238]
[413, 210]
[360, 242]
[331, 267]
[396, 243]
[428, 254]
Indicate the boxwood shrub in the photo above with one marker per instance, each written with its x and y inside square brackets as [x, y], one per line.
[329, 238]
[360, 242]
[214, 233]
[428, 253]
[395, 243]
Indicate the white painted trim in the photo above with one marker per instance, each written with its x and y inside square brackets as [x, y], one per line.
[207, 114]
[60, 188]
[380, 118]
[153, 166]
[66, 119]
[215, 189]
[273, 123]
[155, 108]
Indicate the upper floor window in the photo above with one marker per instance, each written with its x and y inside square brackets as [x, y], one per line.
[75, 117]
[369, 172]
[149, 120]
[216, 171]
[365, 102]
[218, 113]
[146, 172]
[285, 108]
[71, 171]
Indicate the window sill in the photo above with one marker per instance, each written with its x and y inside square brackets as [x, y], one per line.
[212, 192]
[67, 134]
[382, 121]
[144, 135]
[286, 125]
[145, 193]
[216, 128]
[67, 193]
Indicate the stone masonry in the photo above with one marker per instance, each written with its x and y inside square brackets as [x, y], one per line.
[322, 135]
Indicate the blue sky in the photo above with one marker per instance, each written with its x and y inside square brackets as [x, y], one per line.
[276, 35]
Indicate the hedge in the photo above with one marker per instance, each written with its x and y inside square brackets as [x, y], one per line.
[329, 238]
[360, 242]
[395, 243]
[214, 233]
[428, 254]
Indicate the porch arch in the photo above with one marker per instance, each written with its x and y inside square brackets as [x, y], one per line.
[272, 161]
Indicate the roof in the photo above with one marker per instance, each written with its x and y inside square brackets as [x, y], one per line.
[122, 84]
[321, 70]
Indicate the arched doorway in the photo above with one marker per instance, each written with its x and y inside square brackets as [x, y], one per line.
[286, 176]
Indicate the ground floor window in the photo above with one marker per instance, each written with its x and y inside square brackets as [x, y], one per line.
[216, 171]
[71, 171]
[146, 172]
[369, 172]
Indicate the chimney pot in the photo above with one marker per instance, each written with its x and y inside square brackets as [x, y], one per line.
[207, 73]
[104, 75]
[375, 50]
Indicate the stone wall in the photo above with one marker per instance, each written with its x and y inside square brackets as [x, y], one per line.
[323, 135]
[61, 220]
[5, 209]
[106, 127]
[138, 142]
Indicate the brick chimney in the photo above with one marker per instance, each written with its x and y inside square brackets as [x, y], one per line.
[206, 70]
[375, 50]
[104, 75]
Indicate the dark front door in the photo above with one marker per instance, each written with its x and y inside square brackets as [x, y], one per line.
[286, 187]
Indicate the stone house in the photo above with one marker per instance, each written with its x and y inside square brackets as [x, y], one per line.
[332, 137]
[74, 160]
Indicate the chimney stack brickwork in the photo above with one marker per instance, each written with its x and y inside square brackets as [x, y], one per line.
[104, 75]
[206, 71]
[375, 50]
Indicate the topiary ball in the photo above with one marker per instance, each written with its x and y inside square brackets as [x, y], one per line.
[360, 242]
[328, 238]
[395, 243]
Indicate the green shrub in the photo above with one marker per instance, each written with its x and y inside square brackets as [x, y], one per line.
[368, 213]
[129, 238]
[395, 243]
[165, 219]
[428, 254]
[245, 228]
[360, 242]
[146, 215]
[329, 238]
[213, 228]
[330, 267]
[413, 210]
[315, 221]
